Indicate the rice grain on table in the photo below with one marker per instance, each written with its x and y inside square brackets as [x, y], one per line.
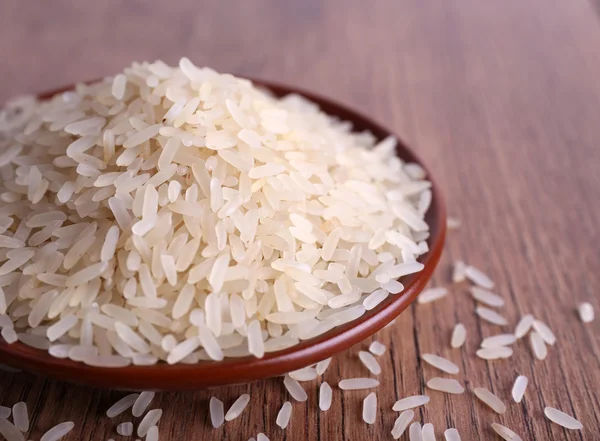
[586, 312]
[440, 363]
[325, 396]
[415, 432]
[459, 272]
[562, 419]
[545, 332]
[402, 423]
[304, 374]
[486, 297]
[428, 432]
[262, 437]
[479, 278]
[151, 419]
[58, 431]
[447, 385]
[519, 387]
[370, 363]
[370, 408]
[432, 294]
[217, 413]
[125, 429]
[20, 416]
[237, 407]
[141, 403]
[505, 433]
[295, 389]
[10, 431]
[122, 405]
[490, 316]
[498, 340]
[410, 402]
[152, 434]
[538, 346]
[524, 326]
[358, 383]
[459, 336]
[452, 435]
[490, 399]
[5, 412]
[494, 353]
[284, 415]
[377, 348]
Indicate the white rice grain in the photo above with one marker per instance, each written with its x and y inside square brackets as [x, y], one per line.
[428, 432]
[518, 389]
[446, 385]
[358, 383]
[452, 435]
[20, 416]
[217, 415]
[490, 316]
[441, 363]
[370, 408]
[325, 396]
[478, 277]
[141, 403]
[370, 363]
[524, 326]
[122, 405]
[459, 336]
[432, 294]
[562, 419]
[505, 433]
[415, 432]
[284, 415]
[58, 431]
[237, 407]
[498, 340]
[410, 402]
[490, 399]
[486, 297]
[586, 312]
[540, 351]
[294, 389]
[402, 423]
[545, 332]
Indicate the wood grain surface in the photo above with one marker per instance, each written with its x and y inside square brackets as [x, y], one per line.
[502, 101]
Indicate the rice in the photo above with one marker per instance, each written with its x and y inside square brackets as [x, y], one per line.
[358, 383]
[217, 415]
[410, 402]
[491, 316]
[20, 416]
[370, 363]
[478, 277]
[440, 363]
[152, 434]
[58, 431]
[490, 399]
[586, 312]
[538, 346]
[524, 326]
[160, 184]
[427, 432]
[4, 412]
[304, 374]
[494, 353]
[452, 435]
[459, 336]
[149, 420]
[505, 433]
[125, 429]
[498, 340]
[262, 437]
[10, 432]
[370, 408]
[122, 405]
[518, 389]
[415, 432]
[294, 389]
[486, 297]
[237, 407]
[453, 223]
[562, 419]
[141, 403]
[459, 272]
[402, 423]
[377, 348]
[284, 415]
[545, 332]
[447, 385]
[432, 294]
[325, 396]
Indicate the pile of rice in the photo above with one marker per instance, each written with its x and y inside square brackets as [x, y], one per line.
[178, 214]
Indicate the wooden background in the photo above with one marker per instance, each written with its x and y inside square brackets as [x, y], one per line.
[502, 101]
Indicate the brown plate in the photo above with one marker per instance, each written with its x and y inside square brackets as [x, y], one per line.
[242, 370]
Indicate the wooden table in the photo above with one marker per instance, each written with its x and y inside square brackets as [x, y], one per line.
[502, 101]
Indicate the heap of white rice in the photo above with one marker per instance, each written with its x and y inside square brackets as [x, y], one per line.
[174, 213]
